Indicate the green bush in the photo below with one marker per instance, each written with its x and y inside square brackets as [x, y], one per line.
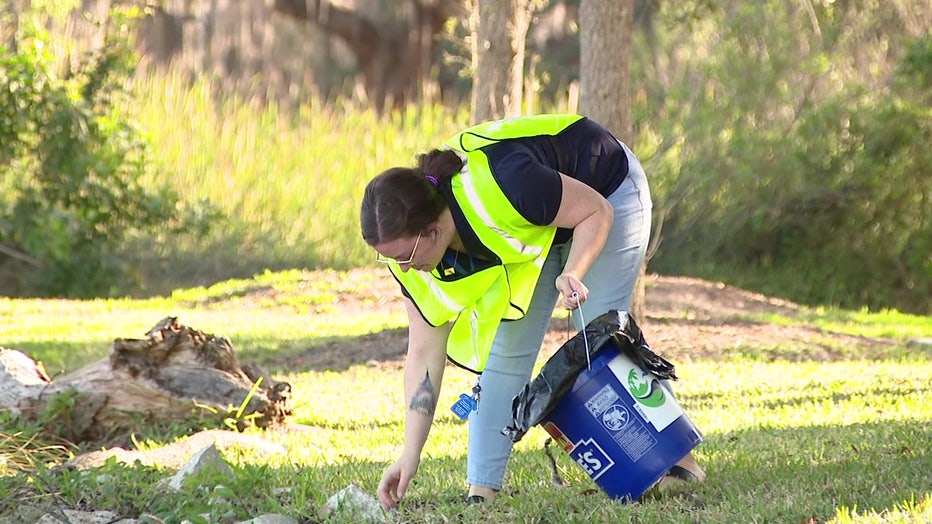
[70, 162]
[788, 177]
[865, 217]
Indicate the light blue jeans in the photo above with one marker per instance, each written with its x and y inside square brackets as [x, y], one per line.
[610, 281]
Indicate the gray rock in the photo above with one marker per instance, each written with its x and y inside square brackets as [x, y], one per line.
[23, 513]
[206, 459]
[83, 517]
[176, 454]
[353, 502]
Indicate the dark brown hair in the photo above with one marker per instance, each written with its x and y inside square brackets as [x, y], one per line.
[403, 201]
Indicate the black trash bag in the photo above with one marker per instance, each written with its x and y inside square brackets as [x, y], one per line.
[557, 376]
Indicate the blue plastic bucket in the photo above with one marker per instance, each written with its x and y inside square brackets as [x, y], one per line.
[621, 425]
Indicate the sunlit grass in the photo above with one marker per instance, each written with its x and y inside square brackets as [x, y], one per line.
[887, 324]
[910, 511]
[844, 440]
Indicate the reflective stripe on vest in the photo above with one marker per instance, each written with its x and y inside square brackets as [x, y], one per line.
[477, 303]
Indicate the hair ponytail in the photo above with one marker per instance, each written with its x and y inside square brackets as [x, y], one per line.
[440, 165]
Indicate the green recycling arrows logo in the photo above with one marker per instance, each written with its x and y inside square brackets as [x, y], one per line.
[645, 389]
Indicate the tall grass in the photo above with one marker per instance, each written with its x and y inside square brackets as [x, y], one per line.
[287, 181]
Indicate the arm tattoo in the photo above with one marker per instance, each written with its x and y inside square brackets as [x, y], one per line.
[423, 401]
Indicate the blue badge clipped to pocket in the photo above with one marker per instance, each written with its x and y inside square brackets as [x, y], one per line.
[464, 406]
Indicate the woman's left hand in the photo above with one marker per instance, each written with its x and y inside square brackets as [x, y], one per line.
[572, 290]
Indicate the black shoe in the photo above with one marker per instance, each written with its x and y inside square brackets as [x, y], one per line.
[474, 499]
[681, 473]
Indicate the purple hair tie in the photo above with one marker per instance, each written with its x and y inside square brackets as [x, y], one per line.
[432, 179]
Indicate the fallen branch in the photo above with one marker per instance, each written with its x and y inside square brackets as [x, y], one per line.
[18, 255]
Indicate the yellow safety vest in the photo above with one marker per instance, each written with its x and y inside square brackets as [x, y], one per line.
[479, 302]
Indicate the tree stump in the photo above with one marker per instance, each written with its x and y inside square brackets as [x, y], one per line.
[175, 373]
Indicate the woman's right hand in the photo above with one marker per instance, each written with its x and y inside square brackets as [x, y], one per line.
[395, 480]
[422, 378]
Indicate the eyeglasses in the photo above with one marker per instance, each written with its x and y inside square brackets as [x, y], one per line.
[386, 260]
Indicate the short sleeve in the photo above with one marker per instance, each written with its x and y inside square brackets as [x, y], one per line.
[534, 189]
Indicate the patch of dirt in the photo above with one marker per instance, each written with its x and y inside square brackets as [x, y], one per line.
[687, 318]
[693, 318]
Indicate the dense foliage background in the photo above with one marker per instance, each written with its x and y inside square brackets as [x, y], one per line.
[793, 157]
[787, 145]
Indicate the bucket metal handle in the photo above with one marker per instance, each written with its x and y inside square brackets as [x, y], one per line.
[582, 320]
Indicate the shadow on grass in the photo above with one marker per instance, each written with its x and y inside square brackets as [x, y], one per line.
[341, 353]
[325, 353]
[275, 354]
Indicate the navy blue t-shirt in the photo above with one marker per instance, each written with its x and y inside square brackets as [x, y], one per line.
[528, 169]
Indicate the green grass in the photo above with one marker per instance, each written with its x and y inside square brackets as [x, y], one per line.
[884, 324]
[840, 441]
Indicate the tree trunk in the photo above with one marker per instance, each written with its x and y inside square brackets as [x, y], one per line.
[605, 30]
[173, 374]
[499, 29]
[9, 16]
[605, 63]
[394, 59]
